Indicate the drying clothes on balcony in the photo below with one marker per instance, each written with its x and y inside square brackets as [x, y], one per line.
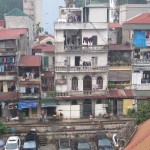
[139, 39]
[4, 59]
[8, 60]
[1, 59]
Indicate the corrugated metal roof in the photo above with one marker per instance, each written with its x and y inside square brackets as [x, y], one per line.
[11, 34]
[140, 19]
[30, 61]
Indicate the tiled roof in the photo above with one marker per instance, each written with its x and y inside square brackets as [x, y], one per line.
[119, 47]
[10, 34]
[114, 25]
[45, 36]
[8, 96]
[30, 61]
[140, 19]
[141, 139]
[2, 23]
[16, 12]
[119, 93]
[44, 48]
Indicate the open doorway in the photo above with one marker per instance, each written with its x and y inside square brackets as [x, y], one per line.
[77, 60]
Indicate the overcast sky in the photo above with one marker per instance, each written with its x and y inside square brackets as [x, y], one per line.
[50, 14]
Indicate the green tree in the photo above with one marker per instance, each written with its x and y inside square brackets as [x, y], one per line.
[3, 128]
[39, 29]
[8, 5]
[143, 113]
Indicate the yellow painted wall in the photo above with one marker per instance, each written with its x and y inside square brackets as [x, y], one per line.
[127, 103]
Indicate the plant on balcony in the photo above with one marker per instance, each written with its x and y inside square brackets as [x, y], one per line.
[3, 128]
[53, 93]
[118, 86]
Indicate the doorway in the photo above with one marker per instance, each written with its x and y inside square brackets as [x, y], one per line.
[87, 108]
[77, 60]
[87, 83]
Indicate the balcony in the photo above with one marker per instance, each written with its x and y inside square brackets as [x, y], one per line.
[80, 25]
[84, 48]
[49, 68]
[141, 61]
[48, 94]
[29, 79]
[80, 69]
[26, 95]
[7, 77]
[142, 68]
[143, 86]
[82, 93]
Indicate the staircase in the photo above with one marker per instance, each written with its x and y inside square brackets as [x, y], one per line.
[42, 139]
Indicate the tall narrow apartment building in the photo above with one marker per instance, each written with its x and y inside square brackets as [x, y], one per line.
[81, 48]
[33, 8]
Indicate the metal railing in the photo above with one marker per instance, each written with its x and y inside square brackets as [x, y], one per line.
[81, 69]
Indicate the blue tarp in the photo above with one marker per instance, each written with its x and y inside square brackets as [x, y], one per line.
[27, 104]
[139, 39]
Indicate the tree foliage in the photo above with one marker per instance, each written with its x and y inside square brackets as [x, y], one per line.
[8, 5]
[3, 128]
[143, 113]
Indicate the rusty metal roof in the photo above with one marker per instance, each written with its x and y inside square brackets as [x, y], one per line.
[30, 61]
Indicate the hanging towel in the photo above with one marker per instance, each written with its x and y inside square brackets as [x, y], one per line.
[139, 39]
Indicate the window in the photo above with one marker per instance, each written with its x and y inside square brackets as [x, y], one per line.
[74, 102]
[45, 61]
[74, 83]
[94, 40]
[100, 82]
[94, 61]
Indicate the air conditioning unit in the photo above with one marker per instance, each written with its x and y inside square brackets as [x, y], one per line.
[71, 5]
[64, 77]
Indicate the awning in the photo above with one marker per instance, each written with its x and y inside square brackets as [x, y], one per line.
[115, 75]
[27, 104]
[48, 102]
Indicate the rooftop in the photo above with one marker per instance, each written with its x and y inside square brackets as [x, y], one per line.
[140, 140]
[140, 19]
[11, 34]
[44, 48]
[30, 61]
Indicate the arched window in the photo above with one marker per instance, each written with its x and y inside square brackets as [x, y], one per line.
[87, 83]
[100, 82]
[74, 83]
[49, 42]
[74, 102]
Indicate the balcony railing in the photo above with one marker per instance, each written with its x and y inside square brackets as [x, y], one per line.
[7, 77]
[80, 69]
[29, 79]
[121, 63]
[49, 68]
[26, 95]
[80, 25]
[143, 86]
[142, 68]
[8, 50]
[141, 61]
[84, 48]
[82, 93]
